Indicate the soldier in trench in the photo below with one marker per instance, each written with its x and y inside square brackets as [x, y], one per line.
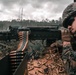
[69, 41]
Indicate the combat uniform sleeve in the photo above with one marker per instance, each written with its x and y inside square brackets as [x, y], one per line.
[66, 51]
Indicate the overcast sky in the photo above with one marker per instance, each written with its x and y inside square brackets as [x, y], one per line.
[32, 9]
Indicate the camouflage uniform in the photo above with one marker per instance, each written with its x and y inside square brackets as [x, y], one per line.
[68, 54]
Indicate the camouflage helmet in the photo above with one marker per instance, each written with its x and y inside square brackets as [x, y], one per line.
[68, 13]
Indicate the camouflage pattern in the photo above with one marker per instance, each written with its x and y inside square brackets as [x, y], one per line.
[68, 12]
[69, 59]
[68, 56]
[35, 49]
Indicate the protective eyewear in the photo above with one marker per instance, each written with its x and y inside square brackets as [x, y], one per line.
[70, 21]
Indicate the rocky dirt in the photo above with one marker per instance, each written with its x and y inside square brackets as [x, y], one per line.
[7, 46]
[48, 64]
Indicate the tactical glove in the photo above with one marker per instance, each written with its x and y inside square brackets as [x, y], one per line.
[66, 35]
[56, 47]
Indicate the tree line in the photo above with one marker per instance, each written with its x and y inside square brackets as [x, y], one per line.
[6, 24]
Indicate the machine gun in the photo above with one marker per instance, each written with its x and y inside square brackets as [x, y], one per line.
[35, 33]
[15, 63]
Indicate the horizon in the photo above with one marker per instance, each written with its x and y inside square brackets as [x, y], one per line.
[32, 10]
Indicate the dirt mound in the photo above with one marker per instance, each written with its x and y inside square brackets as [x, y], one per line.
[48, 64]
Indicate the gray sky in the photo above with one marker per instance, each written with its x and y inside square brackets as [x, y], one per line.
[32, 9]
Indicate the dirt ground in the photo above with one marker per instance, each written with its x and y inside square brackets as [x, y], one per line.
[48, 64]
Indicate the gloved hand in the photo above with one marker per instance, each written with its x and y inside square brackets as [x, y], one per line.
[66, 35]
[56, 47]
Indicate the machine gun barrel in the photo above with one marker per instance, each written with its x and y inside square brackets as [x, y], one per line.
[35, 33]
